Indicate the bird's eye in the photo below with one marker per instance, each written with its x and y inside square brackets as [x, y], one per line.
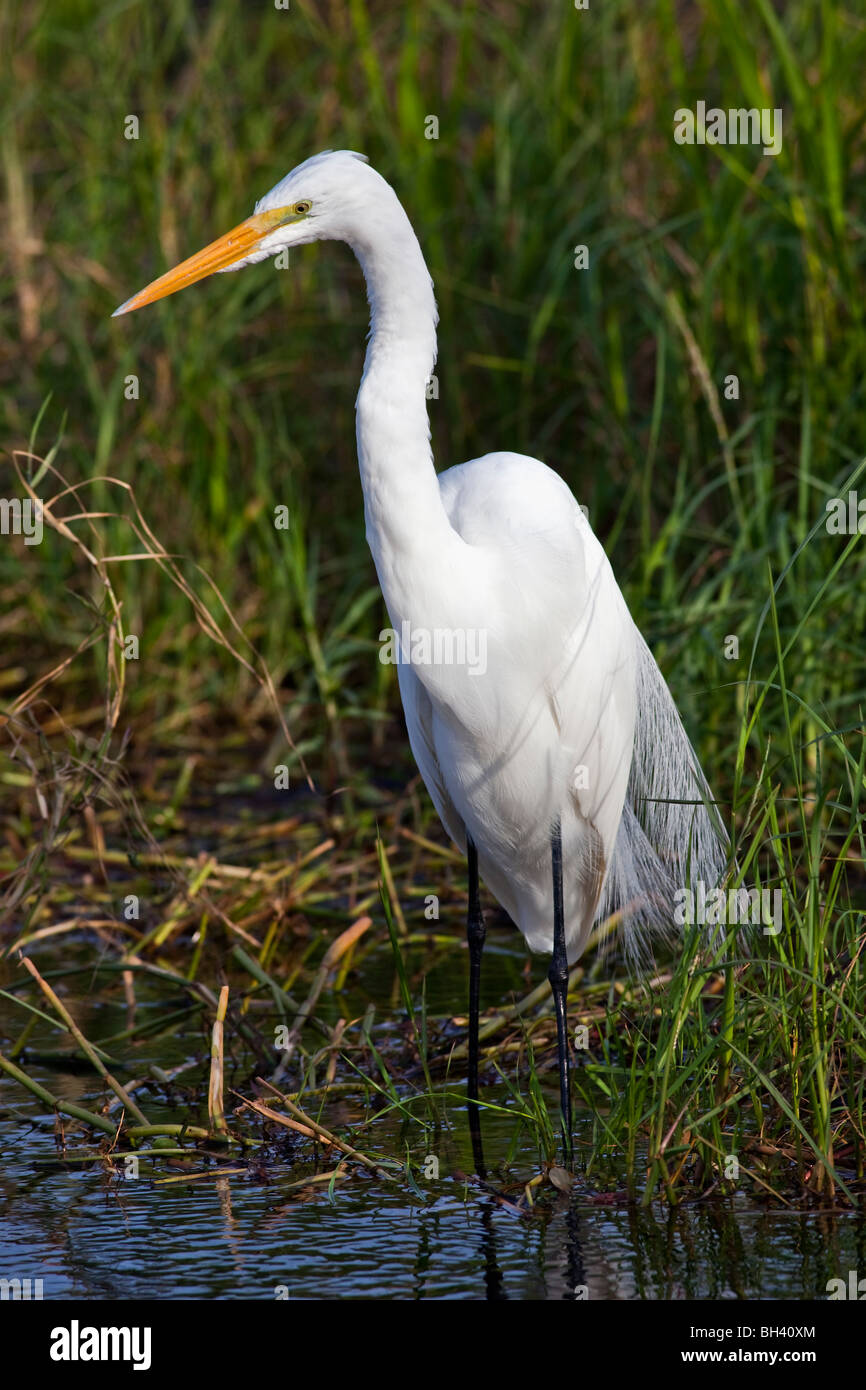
[302, 207]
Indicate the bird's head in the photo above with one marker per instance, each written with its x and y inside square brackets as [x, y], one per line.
[320, 200]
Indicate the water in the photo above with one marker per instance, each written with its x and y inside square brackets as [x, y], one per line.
[233, 1238]
[86, 1233]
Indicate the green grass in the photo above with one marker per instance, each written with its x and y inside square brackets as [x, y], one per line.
[555, 129]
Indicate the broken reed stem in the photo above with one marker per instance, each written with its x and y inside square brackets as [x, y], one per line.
[268, 878]
[313, 1128]
[215, 1108]
[267, 1113]
[176, 1131]
[85, 1046]
[315, 1179]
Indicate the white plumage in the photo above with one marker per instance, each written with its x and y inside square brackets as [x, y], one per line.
[570, 722]
[547, 731]
[571, 719]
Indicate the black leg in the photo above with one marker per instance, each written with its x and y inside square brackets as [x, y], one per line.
[475, 934]
[558, 976]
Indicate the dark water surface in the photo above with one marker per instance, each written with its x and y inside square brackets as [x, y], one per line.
[231, 1238]
[87, 1233]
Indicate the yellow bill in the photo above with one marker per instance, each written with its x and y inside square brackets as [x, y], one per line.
[220, 254]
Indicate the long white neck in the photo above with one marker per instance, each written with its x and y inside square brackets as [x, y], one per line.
[407, 529]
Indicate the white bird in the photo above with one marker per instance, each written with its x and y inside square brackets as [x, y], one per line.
[556, 756]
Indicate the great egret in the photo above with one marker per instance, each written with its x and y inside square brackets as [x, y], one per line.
[559, 761]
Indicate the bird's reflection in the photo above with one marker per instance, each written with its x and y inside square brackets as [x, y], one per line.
[494, 1283]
